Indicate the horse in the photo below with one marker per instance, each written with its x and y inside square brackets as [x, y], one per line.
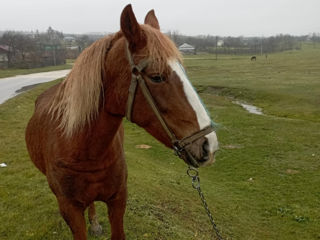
[75, 136]
[253, 58]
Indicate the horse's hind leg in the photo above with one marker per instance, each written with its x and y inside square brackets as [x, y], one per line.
[95, 228]
[74, 217]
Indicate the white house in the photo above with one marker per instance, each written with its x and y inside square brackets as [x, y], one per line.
[187, 48]
[220, 43]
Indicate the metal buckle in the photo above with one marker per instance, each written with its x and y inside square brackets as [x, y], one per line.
[177, 150]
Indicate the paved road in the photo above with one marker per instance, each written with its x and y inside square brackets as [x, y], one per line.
[9, 87]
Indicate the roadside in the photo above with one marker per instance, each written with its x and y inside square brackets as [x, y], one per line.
[12, 86]
[16, 81]
[5, 73]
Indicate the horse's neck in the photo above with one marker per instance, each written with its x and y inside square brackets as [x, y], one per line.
[104, 136]
[106, 126]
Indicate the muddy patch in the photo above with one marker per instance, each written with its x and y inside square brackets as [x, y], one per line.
[292, 171]
[143, 146]
[232, 146]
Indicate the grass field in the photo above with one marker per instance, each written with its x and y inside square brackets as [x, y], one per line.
[265, 183]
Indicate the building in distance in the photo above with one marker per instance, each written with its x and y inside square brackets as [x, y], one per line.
[187, 49]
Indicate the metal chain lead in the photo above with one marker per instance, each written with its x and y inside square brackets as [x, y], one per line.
[194, 174]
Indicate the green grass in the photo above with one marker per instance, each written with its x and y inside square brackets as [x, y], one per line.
[265, 183]
[13, 72]
[285, 84]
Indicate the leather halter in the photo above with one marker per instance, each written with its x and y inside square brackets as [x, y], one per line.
[138, 78]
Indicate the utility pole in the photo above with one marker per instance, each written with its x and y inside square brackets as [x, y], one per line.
[216, 47]
[261, 46]
[53, 53]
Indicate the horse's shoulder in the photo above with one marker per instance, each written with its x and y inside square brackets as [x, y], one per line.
[47, 95]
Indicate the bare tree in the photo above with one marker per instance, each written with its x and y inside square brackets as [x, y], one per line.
[9, 38]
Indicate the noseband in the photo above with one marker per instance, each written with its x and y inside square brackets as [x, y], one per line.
[178, 145]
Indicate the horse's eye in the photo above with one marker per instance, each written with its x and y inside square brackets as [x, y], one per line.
[157, 79]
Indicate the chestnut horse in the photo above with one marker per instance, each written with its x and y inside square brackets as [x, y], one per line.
[75, 136]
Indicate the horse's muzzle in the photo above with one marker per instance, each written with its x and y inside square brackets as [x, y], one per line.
[197, 154]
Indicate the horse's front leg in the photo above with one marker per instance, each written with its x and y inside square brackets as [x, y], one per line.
[74, 217]
[116, 210]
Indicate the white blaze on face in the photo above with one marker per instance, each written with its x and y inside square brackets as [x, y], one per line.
[194, 100]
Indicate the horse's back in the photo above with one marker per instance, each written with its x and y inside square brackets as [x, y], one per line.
[37, 127]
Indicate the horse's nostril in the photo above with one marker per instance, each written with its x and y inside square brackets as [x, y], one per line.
[205, 147]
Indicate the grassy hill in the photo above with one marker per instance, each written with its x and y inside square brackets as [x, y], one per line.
[265, 183]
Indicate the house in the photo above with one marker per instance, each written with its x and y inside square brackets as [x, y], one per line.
[4, 50]
[187, 49]
[69, 39]
[220, 43]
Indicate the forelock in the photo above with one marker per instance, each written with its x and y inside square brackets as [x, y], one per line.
[160, 48]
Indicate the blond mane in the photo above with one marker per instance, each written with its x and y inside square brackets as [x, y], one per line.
[78, 98]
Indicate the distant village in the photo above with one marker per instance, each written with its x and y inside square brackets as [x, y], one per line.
[39, 49]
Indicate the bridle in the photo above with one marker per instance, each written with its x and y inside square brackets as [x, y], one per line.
[137, 78]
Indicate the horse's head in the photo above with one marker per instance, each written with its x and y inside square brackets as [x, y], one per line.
[152, 61]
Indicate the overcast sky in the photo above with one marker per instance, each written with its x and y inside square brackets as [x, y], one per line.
[215, 17]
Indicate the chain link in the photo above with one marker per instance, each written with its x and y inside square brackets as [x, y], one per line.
[194, 174]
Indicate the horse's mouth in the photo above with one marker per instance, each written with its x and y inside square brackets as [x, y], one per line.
[206, 160]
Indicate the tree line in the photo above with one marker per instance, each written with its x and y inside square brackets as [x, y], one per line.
[243, 45]
[35, 49]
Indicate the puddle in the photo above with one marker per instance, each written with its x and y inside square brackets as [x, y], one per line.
[250, 108]
[226, 92]
[26, 88]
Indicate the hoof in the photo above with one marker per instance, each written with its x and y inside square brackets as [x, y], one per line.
[95, 230]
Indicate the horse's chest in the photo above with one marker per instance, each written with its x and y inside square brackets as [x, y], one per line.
[86, 184]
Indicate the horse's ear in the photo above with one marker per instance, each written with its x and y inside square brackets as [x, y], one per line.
[131, 29]
[152, 20]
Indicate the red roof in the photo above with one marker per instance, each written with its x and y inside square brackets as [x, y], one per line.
[5, 47]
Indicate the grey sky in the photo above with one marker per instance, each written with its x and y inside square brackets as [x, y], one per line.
[215, 17]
